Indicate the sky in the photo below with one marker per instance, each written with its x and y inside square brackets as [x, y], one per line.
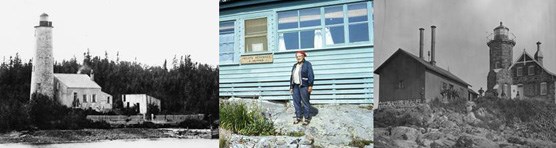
[462, 31]
[148, 30]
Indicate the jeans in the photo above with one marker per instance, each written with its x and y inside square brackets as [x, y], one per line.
[301, 102]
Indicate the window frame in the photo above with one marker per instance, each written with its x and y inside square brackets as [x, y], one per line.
[531, 70]
[85, 98]
[519, 71]
[245, 36]
[545, 92]
[345, 24]
[234, 42]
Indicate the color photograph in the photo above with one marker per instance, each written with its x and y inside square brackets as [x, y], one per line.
[296, 73]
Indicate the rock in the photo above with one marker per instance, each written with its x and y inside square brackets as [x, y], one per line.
[404, 133]
[470, 118]
[468, 141]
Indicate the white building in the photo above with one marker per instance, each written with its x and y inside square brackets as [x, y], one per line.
[141, 100]
[80, 91]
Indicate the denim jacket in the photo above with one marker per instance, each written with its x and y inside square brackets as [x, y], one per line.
[306, 72]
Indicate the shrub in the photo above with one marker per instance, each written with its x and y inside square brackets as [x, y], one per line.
[360, 143]
[194, 123]
[238, 119]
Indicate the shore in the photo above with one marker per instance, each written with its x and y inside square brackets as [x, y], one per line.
[92, 135]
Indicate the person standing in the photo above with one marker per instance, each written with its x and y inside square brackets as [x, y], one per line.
[301, 86]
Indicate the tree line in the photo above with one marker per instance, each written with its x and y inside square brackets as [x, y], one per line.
[183, 86]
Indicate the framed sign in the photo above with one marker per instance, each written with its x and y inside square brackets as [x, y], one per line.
[256, 59]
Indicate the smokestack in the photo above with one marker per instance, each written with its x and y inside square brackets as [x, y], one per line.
[92, 75]
[421, 44]
[433, 62]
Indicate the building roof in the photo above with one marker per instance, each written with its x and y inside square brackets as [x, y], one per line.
[76, 80]
[526, 57]
[427, 65]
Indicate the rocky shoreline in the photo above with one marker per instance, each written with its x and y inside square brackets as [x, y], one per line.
[92, 135]
[332, 126]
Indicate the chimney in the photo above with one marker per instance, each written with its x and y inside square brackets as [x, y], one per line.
[538, 55]
[433, 62]
[92, 75]
[421, 34]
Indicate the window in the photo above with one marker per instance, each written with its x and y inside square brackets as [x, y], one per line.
[519, 71]
[543, 88]
[75, 100]
[108, 100]
[358, 22]
[314, 28]
[401, 84]
[531, 70]
[497, 65]
[226, 42]
[94, 98]
[85, 98]
[255, 35]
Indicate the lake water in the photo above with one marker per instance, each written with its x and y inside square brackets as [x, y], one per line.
[136, 143]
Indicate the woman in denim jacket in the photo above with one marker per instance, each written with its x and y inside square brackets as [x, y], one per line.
[301, 86]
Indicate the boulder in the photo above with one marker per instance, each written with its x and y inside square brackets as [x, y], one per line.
[404, 133]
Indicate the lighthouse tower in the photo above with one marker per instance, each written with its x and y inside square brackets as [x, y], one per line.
[42, 75]
[499, 78]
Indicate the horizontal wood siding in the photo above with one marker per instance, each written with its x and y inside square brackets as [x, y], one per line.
[342, 75]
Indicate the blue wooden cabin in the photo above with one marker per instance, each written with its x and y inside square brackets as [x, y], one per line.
[258, 40]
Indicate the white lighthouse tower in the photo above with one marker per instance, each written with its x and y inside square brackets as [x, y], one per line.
[42, 75]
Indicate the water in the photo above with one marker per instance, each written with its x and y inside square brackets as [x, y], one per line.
[136, 143]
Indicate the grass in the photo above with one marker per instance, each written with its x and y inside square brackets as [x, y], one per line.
[223, 142]
[360, 143]
[237, 118]
[296, 134]
[368, 107]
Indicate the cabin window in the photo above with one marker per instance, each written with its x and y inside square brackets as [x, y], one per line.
[496, 65]
[84, 98]
[519, 71]
[94, 98]
[531, 70]
[358, 22]
[255, 35]
[543, 88]
[314, 28]
[226, 44]
[108, 100]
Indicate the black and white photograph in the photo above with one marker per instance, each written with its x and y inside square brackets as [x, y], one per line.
[108, 74]
[476, 73]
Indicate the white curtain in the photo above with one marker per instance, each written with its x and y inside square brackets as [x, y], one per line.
[328, 37]
[318, 39]
[282, 44]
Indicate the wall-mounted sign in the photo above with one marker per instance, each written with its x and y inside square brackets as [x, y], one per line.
[254, 59]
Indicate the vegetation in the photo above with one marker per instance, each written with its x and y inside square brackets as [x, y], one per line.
[238, 119]
[184, 87]
[360, 143]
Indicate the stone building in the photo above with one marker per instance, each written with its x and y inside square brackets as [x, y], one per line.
[531, 79]
[526, 78]
[42, 75]
[499, 79]
[71, 90]
[404, 76]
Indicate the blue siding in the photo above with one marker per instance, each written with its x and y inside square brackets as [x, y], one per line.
[343, 74]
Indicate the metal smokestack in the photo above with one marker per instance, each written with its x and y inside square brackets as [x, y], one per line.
[433, 62]
[421, 44]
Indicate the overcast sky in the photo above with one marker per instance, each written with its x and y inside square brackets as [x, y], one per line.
[462, 31]
[149, 30]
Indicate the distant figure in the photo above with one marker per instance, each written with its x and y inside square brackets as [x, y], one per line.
[481, 91]
[301, 86]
